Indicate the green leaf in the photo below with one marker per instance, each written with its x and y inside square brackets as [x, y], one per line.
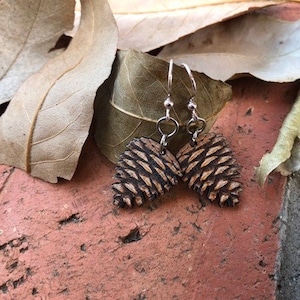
[285, 155]
[130, 102]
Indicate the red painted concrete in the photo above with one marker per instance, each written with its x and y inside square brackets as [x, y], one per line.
[186, 252]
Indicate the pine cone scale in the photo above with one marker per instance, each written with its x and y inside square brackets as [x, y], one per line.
[190, 167]
[225, 159]
[173, 165]
[205, 174]
[221, 169]
[127, 162]
[161, 174]
[208, 160]
[195, 155]
[130, 187]
[223, 198]
[158, 161]
[140, 154]
[220, 184]
[159, 187]
[234, 185]
[145, 166]
[213, 150]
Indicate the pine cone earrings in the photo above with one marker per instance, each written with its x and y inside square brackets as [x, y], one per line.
[143, 172]
[207, 162]
[147, 168]
[209, 168]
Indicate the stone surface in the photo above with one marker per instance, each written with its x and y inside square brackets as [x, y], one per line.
[68, 241]
[288, 273]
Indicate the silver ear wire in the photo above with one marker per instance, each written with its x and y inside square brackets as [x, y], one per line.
[170, 77]
[196, 124]
[194, 86]
[168, 104]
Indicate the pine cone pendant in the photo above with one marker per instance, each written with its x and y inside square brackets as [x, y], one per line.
[143, 173]
[209, 168]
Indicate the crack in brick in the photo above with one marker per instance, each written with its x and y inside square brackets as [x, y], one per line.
[133, 236]
[74, 218]
[4, 288]
[15, 243]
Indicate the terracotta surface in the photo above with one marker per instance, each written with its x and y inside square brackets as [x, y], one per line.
[63, 241]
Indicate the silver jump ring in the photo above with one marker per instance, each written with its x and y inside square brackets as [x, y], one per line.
[167, 119]
[195, 123]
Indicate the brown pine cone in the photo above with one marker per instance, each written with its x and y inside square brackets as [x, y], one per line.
[209, 168]
[143, 173]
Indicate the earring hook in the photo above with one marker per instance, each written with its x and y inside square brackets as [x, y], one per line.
[196, 124]
[170, 77]
[194, 86]
[167, 119]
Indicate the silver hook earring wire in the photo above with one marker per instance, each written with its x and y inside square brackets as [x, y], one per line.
[168, 104]
[170, 77]
[196, 124]
[194, 86]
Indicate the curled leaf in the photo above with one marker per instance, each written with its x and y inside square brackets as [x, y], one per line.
[131, 101]
[147, 25]
[28, 30]
[265, 47]
[285, 155]
[44, 127]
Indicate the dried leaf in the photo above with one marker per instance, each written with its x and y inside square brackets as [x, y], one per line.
[285, 155]
[47, 121]
[28, 30]
[147, 25]
[269, 51]
[130, 102]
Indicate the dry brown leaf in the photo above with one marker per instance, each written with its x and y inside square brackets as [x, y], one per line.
[285, 155]
[28, 29]
[147, 25]
[131, 101]
[265, 47]
[48, 120]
